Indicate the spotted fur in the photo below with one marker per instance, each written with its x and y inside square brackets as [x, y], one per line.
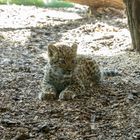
[68, 74]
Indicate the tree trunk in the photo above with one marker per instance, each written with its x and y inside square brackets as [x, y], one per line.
[133, 15]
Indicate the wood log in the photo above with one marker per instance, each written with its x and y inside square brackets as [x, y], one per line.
[95, 4]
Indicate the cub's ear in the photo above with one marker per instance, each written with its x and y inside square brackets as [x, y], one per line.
[74, 47]
[51, 50]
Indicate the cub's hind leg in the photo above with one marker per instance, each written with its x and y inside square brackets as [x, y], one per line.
[89, 71]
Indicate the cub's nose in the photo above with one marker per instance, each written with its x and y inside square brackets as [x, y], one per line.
[68, 72]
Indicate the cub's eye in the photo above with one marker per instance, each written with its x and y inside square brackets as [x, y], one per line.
[62, 61]
[74, 61]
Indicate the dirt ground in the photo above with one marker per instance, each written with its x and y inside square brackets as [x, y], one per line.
[110, 112]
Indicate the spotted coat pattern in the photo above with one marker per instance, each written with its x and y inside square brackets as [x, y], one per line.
[68, 74]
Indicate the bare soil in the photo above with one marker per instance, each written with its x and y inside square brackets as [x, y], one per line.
[109, 112]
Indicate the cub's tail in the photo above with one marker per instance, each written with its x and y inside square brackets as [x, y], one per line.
[111, 73]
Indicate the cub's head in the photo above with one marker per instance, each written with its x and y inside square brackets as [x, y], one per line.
[62, 56]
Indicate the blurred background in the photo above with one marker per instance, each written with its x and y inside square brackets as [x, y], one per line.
[40, 3]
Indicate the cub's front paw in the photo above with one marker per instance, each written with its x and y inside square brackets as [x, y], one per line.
[47, 96]
[66, 95]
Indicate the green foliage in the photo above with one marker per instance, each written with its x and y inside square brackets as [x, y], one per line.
[40, 3]
[28, 2]
[57, 4]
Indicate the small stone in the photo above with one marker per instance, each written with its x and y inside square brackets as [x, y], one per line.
[45, 128]
[130, 96]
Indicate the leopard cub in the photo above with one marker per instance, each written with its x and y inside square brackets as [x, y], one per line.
[68, 74]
